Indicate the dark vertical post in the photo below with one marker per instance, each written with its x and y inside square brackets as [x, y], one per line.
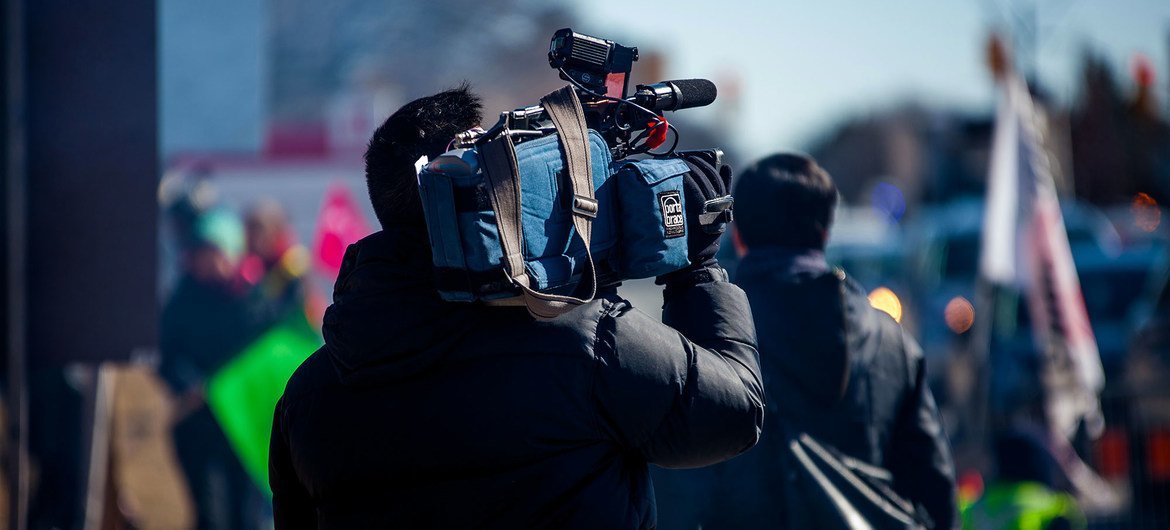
[89, 231]
[12, 214]
[92, 178]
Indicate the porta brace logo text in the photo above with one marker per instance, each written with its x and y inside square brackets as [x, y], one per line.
[673, 223]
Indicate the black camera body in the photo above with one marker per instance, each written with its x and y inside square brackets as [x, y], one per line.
[599, 70]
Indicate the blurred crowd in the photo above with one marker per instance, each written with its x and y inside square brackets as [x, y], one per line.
[241, 306]
[240, 275]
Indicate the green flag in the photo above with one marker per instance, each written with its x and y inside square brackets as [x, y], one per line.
[243, 394]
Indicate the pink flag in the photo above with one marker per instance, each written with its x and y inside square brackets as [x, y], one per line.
[341, 224]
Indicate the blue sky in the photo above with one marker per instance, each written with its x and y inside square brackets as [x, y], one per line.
[806, 65]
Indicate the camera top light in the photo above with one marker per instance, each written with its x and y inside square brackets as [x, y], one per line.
[573, 49]
[599, 64]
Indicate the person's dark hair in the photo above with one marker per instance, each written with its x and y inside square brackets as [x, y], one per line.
[422, 127]
[784, 200]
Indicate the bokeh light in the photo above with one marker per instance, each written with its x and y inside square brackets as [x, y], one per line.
[959, 315]
[888, 199]
[885, 300]
[1146, 214]
[970, 486]
[1143, 71]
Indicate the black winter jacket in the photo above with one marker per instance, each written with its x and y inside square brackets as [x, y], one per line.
[419, 413]
[845, 373]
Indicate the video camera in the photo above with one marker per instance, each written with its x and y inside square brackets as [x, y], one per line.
[548, 203]
[599, 70]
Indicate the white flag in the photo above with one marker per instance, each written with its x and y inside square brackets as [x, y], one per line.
[1025, 244]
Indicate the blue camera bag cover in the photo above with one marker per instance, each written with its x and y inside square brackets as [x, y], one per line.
[465, 241]
[653, 222]
[504, 218]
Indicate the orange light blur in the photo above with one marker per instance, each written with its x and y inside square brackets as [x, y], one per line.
[885, 300]
[1146, 214]
[970, 486]
[959, 315]
[1111, 453]
[1158, 455]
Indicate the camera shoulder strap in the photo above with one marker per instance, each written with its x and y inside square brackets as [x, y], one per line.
[499, 155]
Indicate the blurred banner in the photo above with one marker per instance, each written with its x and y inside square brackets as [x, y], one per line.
[243, 394]
[341, 224]
[1025, 247]
[133, 477]
[147, 480]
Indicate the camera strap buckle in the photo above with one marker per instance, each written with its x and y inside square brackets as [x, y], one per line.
[586, 206]
[716, 214]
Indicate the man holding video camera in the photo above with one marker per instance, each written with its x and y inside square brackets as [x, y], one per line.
[424, 413]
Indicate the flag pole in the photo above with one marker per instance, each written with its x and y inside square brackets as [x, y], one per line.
[979, 406]
[987, 294]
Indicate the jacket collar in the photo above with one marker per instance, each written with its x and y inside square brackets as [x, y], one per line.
[783, 262]
[387, 321]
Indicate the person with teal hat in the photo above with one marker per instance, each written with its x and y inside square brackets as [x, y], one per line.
[205, 323]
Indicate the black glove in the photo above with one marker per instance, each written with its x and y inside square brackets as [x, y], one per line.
[707, 188]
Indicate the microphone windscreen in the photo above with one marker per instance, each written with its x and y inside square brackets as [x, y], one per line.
[694, 93]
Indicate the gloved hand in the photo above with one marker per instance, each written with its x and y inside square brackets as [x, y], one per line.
[708, 180]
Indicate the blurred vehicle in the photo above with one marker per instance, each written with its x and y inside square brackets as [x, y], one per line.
[1117, 294]
[871, 248]
[945, 263]
[1123, 292]
[1139, 224]
[1116, 290]
[1139, 447]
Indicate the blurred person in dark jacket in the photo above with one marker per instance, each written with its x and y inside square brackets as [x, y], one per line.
[836, 368]
[420, 413]
[204, 324]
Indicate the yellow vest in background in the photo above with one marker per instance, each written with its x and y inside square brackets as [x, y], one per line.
[1022, 506]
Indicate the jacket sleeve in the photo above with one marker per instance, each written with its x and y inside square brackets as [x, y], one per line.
[687, 393]
[292, 507]
[921, 463]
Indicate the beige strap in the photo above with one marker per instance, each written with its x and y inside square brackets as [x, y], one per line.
[499, 155]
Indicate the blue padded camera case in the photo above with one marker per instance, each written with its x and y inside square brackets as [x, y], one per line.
[539, 195]
[653, 223]
[465, 241]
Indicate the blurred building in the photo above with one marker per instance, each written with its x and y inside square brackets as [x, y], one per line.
[929, 155]
[213, 76]
[1121, 142]
[1108, 146]
[302, 78]
[338, 69]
